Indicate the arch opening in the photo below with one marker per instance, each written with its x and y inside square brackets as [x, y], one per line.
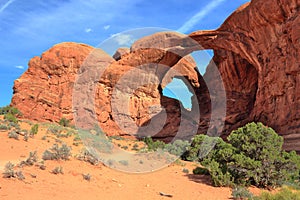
[177, 89]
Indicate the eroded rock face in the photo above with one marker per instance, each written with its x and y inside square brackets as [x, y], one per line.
[81, 83]
[256, 51]
[44, 91]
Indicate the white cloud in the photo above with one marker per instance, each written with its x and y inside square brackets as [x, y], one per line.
[106, 27]
[199, 16]
[20, 67]
[6, 5]
[88, 30]
[123, 39]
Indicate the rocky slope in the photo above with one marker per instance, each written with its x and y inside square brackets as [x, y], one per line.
[256, 51]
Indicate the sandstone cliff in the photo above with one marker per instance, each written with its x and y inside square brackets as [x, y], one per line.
[256, 51]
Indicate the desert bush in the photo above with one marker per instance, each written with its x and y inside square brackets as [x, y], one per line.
[88, 157]
[284, 193]
[201, 171]
[13, 134]
[64, 122]
[32, 158]
[185, 170]
[54, 129]
[124, 147]
[9, 171]
[252, 156]
[10, 117]
[239, 193]
[135, 147]
[11, 110]
[177, 148]
[15, 125]
[153, 145]
[86, 177]
[58, 170]
[34, 130]
[19, 175]
[4, 127]
[57, 153]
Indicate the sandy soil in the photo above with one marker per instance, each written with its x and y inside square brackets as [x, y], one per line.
[105, 183]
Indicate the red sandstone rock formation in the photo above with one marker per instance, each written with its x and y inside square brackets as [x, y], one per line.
[256, 51]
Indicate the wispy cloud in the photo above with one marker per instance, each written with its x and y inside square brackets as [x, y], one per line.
[6, 5]
[199, 16]
[20, 67]
[123, 39]
[106, 27]
[88, 30]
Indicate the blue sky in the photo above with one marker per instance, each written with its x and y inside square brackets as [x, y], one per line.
[29, 27]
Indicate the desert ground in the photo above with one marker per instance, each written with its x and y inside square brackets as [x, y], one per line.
[175, 181]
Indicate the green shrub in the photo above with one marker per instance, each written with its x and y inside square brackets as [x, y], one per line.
[177, 148]
[201, 171]
[241, 193]
[13, 134]
[64, 122]
[153, 145]
[10, 117]
[4, 127]
[8, 109]
[54, 129]
[284, 194]
[57, 153]
[34, 129]
[252, 156]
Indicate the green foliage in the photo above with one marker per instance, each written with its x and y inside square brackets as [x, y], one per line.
[11, 110]
[57, 153]
[284, 194]
[185, 170]
[4, 127]
[10, 117]
[252, 156]
[153, 145]
[54, 129]
[64, 122]
[178, 147]
[241, 193]
[34, 129]
[201, 171]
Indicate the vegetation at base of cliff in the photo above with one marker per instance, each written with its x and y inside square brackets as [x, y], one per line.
[64, 122]
[253, 155]
[9, 109]
[177, 148]
[57, 153]
[284, 193]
